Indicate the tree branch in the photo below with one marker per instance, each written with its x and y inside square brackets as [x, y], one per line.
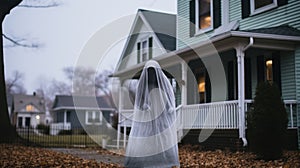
[18, 43]
[39, 6]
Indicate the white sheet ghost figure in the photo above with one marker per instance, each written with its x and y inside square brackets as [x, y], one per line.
[153, 139]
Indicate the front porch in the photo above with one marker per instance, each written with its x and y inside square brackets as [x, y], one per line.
[222, 115]
[215, 84]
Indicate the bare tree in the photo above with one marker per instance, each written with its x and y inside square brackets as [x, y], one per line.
[48, 90]
[86, 81]
[23, 42]
[81, 79]
[7, 131]
[14, 84]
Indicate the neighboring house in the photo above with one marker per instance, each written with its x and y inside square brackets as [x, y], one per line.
[27, 110]
[80, 112]
[249, 41]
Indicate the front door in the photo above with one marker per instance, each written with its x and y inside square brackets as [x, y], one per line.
[27, 122]
[20, 122]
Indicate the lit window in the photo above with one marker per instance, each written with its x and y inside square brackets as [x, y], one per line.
[269, 70]
[201, 87]
[93, 117]
[29, 108]
[203, 14]
[258, 6]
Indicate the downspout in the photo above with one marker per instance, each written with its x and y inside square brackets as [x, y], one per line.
[243, 135]
[251, 42]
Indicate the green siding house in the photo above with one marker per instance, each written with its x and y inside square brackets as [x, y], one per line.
[224, 48]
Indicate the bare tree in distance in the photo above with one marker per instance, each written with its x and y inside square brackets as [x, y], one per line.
[14, 84]
[49, 89]
[87, 82]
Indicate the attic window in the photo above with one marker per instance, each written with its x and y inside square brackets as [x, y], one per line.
[144, 49]
[29, 108]
[258, 6]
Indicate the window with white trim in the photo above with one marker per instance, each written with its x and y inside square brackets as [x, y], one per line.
[204, 14]
[93, 118]
[144, 49]
[258, 6]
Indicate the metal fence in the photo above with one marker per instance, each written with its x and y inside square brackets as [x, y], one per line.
[65, 138]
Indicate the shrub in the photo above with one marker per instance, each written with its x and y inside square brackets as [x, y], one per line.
[267, 122]
[44, 129]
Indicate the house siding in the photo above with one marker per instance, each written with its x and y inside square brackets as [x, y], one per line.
[286, 14]
[141, 32]
[235, 10]
[297, 75]
[183, 37]
[288, 85]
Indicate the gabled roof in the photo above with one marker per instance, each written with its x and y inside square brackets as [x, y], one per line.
[279, 30]
[164, 26]
[20, 102]
[81, 102]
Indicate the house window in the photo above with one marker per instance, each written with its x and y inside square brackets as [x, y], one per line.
[269, 70]
[29, 108]
[201, 87]
[204, 14]
[93, 117]
[144, 50]
[258, 6]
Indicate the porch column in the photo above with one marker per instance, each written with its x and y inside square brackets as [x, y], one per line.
[119, 115]
[65, 119]
[241, 92]
[183, 83]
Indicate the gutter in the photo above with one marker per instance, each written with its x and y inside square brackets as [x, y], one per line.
[243, 129]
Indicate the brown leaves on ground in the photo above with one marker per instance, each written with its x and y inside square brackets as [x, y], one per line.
[21, 156]
[192, 156]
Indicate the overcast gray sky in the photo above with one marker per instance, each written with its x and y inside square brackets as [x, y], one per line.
[62, 32]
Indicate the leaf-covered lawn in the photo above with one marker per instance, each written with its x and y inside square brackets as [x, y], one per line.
[190, 156]
[20, 156]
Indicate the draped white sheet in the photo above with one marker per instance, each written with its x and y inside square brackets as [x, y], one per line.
[153, 139]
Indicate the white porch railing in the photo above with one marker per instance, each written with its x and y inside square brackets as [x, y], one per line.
[56, 127]
[220, 115]
[125, 117]
[216, 115]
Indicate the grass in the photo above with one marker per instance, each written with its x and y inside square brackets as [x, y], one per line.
[64, 140]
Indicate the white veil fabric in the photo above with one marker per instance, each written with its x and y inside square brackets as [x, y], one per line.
[153, 139]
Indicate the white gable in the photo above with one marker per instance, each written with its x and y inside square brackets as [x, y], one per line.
[142, 30]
